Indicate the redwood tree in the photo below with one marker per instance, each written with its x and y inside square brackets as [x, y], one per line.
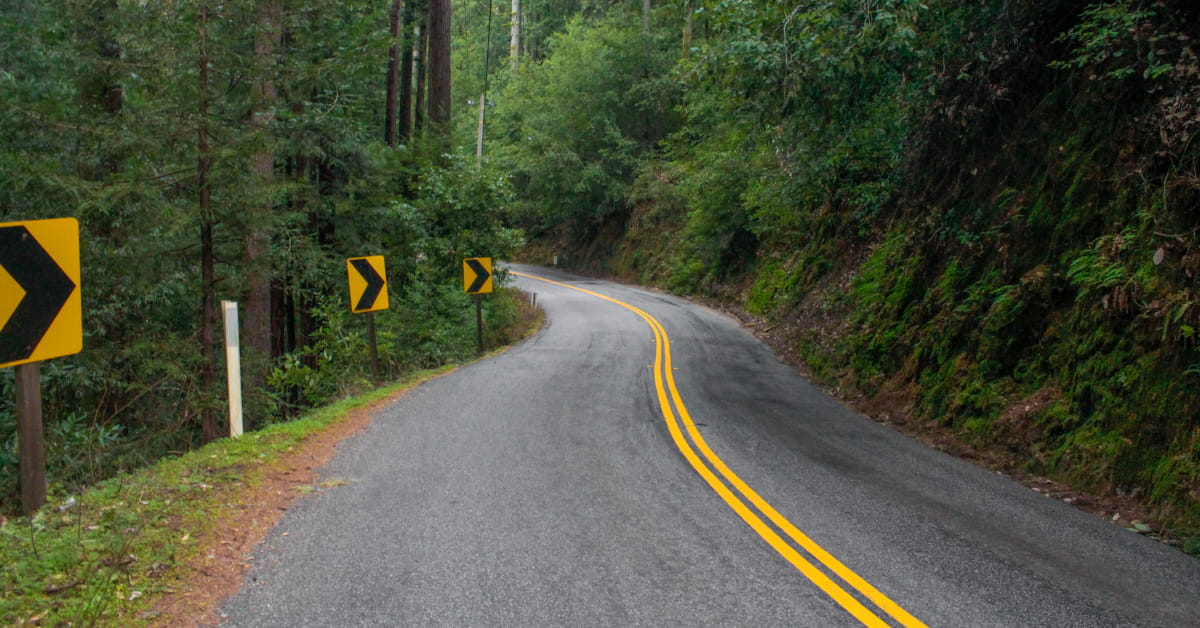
[257, 252]
[391, 124]
[439, 65]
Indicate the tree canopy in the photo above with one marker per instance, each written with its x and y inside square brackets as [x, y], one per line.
[230, 150]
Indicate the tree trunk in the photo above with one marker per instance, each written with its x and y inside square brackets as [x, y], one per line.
[209, 430]
[528, 39]
[256, 328]
[100, 87]
[390, 124]
[687, 29]
[439, 65]
[321, 224]
[422, 45]
[278, 316]
[646, 17]
[404, 124]
[514, 44]
[294, 287]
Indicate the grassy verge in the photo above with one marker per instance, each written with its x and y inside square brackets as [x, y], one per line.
[107, 556]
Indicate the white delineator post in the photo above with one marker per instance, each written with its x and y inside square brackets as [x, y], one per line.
[233, 367]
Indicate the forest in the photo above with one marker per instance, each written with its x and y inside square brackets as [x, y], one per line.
[979, 217]
[236, 151]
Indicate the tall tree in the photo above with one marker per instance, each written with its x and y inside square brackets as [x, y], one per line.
[687, 28]
[101, 90]
[514, 45]
[208, 306]
[439, 65]
[421, 63]
[210, 150]
[407, 59]
[391, 123]
[257, 253]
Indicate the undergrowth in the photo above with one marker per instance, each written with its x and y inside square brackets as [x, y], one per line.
[103, 556]
[1003, 241]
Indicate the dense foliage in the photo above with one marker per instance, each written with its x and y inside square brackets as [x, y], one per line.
[227, 150]
[983, 212]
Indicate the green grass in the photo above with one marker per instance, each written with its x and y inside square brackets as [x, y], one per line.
[104, 557]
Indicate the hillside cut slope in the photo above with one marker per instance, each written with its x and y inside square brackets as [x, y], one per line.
[985, 216]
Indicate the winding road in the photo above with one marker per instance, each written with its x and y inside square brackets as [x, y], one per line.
[644, 461]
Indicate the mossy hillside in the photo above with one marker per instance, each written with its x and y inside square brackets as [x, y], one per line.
[983, 212]
[1068, 290]
[1035, 289]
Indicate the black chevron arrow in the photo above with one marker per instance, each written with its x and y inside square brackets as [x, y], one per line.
[375, 284]
[481, 276]
[46, 287]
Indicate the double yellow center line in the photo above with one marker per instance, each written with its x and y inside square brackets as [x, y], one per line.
[676, 415]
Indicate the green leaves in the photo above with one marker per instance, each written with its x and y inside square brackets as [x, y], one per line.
[573, 128]
[954, 219]
[102, 109]
[1104, 35]
[1122, 39]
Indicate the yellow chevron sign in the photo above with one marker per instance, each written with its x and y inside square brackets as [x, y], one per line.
[41, 311]
[368, 284]
[477, 275]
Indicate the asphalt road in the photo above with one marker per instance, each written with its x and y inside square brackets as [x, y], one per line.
[581, 479]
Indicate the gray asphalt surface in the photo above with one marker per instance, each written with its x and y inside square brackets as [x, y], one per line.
[541, 487]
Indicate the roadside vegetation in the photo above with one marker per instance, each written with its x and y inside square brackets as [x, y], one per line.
[237, 150]
[108, 555]
[979, 215]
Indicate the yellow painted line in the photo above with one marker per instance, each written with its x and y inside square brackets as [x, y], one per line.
[662, 365]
